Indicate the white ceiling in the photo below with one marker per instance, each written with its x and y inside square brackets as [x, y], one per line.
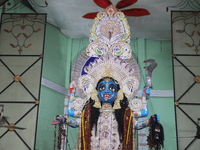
[67, 15]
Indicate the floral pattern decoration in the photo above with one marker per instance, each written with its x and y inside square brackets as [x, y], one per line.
[134, 12]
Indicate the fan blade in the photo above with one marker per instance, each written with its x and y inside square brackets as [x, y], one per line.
[11, 127]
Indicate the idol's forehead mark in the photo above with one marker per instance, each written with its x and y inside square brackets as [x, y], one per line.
[108, 81]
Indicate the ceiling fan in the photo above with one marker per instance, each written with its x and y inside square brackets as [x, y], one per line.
[3, 120]
[197, 136]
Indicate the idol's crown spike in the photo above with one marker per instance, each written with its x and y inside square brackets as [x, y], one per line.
[108, 72]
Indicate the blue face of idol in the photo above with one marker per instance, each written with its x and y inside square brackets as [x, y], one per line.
[107, 91]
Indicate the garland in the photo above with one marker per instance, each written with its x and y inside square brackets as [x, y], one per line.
[61, 138]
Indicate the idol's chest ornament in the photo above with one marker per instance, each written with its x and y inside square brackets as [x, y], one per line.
[106, 109]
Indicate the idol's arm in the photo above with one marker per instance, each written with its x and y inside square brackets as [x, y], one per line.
[142, 124]
[71, 110]
[72, 122]
[76, 104]
[144, 109]
[145, 95]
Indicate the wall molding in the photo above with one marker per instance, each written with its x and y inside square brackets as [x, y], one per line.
[54, 86]
[60, 89]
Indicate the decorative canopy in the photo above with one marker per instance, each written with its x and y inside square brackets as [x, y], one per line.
[147, 19]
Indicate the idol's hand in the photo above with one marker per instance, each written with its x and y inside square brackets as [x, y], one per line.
[72, 88]
[60, 118]
[146, 92]
[155, 118]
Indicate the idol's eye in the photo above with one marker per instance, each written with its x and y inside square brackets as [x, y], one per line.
[112, 88]
[101, 88]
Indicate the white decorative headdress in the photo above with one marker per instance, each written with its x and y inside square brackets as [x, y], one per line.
[109, 46]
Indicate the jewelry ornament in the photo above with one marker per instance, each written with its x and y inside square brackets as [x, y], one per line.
[120, 96]
[94, 97]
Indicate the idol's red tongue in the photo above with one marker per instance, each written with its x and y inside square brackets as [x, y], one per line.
[106, 95]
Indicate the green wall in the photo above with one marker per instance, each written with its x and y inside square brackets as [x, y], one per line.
[51, 102]
[61, 52]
